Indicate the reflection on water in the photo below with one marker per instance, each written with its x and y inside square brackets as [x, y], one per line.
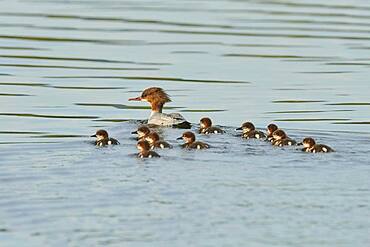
[68, 68]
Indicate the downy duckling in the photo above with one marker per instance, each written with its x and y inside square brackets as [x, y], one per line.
[154, 141]
[189, 139]
[207, 128]
[270, 129]
[102, 139]
[141, 132]
[144, 150]
[310, 146]
[249, 131]
[281, 139]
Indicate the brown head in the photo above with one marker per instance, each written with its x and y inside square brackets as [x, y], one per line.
[142, 131]
[247, 127]
[101, 135]
[188, 137]
[308, 142]
[156, 96]
[143, 146]
[205, 123]
[152, 138]
[271, 128]
[279, 134]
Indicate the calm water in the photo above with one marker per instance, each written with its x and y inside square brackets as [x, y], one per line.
[68, 68]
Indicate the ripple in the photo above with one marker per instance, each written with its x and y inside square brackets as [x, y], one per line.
[326, 72]
[297, 21]
[14, 94]
[38, 66]
[87, 88]
[25, 142]
[46, 116]
[269, 35]
[21, 132]
[296, 101]
[112, 120]
[280, 56]
[55, 39]
[120, 106]
[348, 64]
[202, 110]
[78, 59]
[23, 84]
[305, 111]
[59, 136]
[114, 19]
[311, 119]
[315, 5]
[351, 104]
[21, 48]
[355, 122]
[151, 79]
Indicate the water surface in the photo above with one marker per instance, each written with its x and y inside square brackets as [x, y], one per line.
[68, 68]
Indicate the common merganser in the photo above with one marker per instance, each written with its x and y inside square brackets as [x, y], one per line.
[249, 131]
[141, 132]
[102, 139]
[155, 142]
[157, 97]
[189, 139]
[281, 139]
[310, 146]
[207, 128]
[144, 150]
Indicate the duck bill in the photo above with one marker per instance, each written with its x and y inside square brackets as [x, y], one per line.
[93, 136]
[240, 128]
[134, 132]
[300, 144]
[135, 99]
[179, 138]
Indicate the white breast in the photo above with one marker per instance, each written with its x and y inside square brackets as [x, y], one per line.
[163, 119]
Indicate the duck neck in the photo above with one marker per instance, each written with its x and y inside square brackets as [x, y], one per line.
[157, 107]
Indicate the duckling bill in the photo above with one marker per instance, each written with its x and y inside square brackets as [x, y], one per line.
[103, 139]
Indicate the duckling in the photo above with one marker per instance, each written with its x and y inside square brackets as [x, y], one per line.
[270, 129]
[281, 139]
[189, 139]
[207, 128]
[141, 132]
[144, 150]
[249, 131]
[102, 139]
[155, 142]
[310, 146]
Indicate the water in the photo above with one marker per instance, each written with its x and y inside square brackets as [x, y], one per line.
[68, 68]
